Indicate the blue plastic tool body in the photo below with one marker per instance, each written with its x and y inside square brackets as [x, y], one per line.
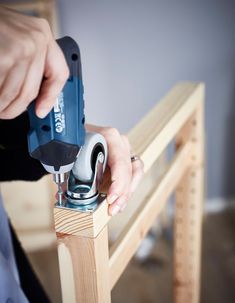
[55, 140]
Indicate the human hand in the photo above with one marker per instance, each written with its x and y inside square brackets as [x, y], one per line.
[31, 65]
[124, 174]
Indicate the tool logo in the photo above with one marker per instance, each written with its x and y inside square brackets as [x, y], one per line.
[59, 114]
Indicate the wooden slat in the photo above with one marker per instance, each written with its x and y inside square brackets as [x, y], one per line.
[153, 133]
[117, 223]
[130, 238]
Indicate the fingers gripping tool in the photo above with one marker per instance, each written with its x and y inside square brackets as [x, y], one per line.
[59, 141]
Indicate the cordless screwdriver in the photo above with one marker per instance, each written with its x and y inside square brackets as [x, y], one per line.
[56, 139]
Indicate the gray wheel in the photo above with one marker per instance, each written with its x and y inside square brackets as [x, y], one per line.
[83, 168]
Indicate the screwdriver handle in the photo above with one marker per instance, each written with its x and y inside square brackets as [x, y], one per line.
[56, 139]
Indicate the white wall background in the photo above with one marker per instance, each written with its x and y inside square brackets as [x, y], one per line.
[134, 51]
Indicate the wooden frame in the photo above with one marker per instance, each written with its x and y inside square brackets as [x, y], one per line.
[88, 269]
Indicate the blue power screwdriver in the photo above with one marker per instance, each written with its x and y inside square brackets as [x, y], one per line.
[56, 140]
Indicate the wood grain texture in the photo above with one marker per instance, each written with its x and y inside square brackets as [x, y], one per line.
[146, 186]
[188, 217]
[86, 224]
[130, 238]
[84, 268]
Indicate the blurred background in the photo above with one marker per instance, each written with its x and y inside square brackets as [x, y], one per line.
[133, 52]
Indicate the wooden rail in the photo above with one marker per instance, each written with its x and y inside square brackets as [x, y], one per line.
[88, 268]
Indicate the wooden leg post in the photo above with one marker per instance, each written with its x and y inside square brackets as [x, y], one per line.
[83, 260]
[188, 217]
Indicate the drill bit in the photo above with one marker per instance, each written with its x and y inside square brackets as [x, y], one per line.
[59, 180]
[60, 194]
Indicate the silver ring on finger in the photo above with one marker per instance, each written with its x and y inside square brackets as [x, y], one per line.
[135, 158]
